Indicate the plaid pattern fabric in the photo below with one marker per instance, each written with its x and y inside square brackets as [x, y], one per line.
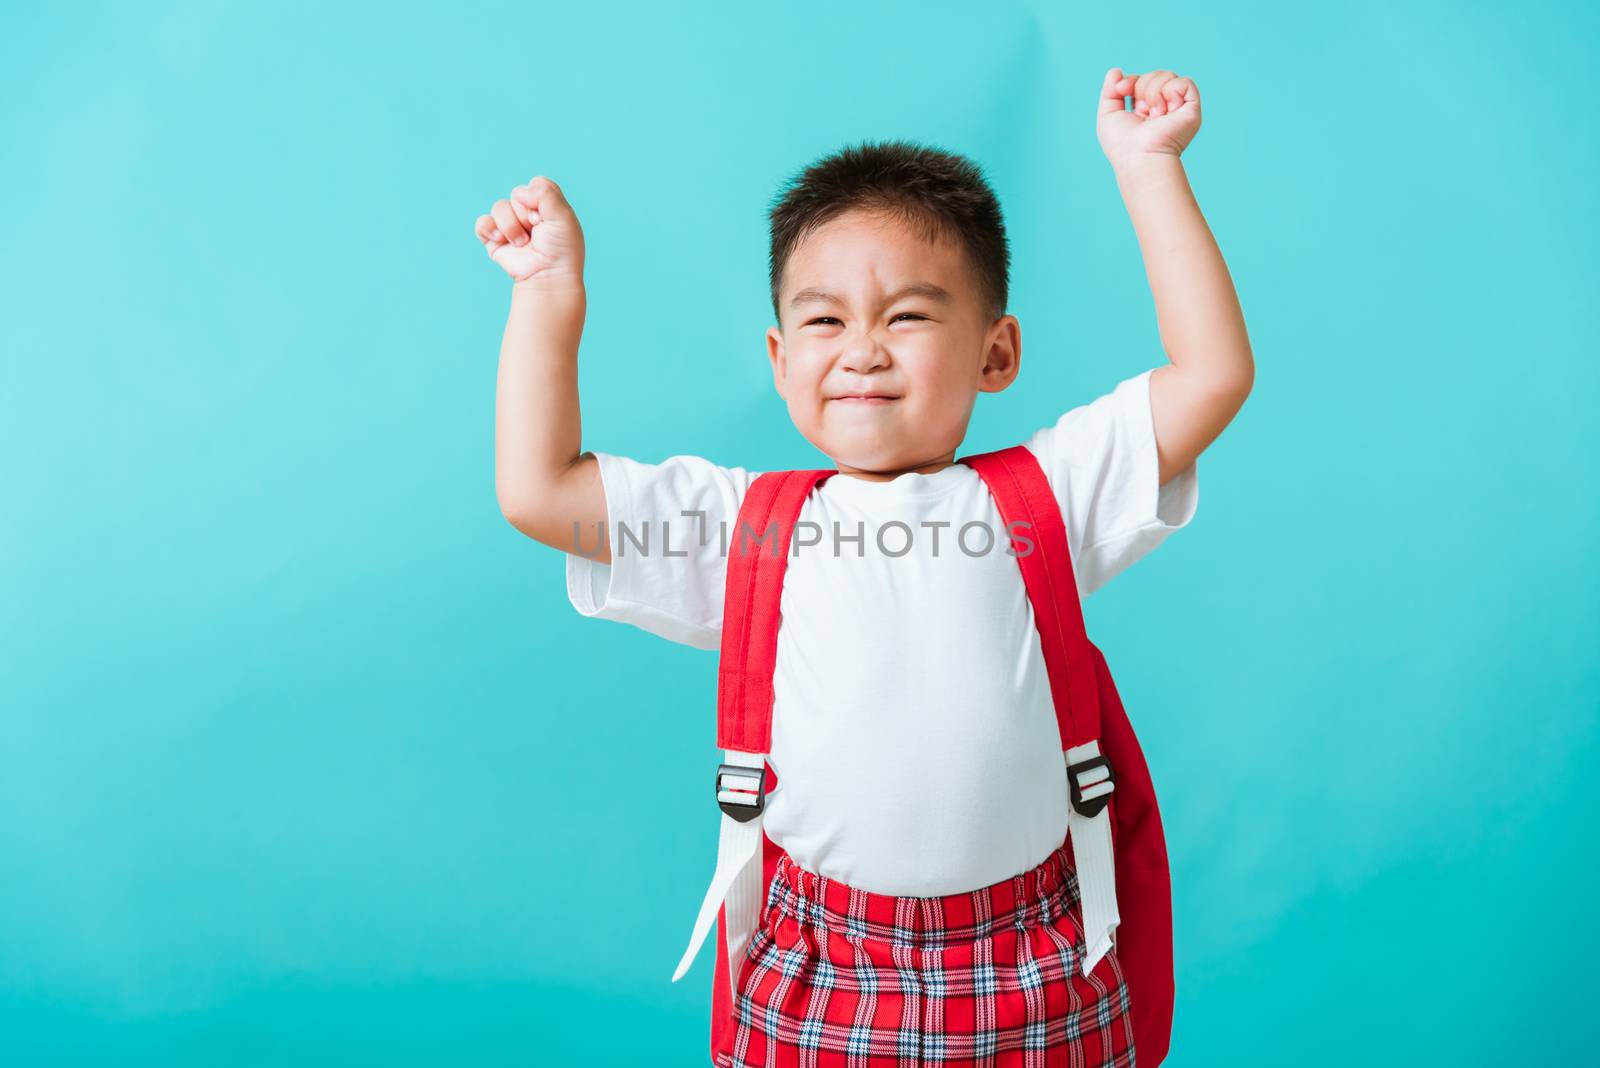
[836, 977]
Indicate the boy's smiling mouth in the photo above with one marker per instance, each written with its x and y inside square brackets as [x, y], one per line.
[866, 398]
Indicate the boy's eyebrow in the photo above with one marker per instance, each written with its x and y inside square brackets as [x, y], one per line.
[911, 289]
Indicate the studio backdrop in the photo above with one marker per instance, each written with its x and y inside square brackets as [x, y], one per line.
[305, 758]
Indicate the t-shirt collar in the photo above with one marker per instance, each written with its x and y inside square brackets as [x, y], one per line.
[908, 486]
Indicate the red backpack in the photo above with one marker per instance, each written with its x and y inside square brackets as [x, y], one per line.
[1119, 850]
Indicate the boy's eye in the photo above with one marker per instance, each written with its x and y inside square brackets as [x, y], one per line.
[831, 319]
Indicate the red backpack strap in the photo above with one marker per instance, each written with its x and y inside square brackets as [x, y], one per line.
[758, 554]
[1025, 499]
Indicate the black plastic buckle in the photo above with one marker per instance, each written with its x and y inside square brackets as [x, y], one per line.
[1091, 807]
[740, 809]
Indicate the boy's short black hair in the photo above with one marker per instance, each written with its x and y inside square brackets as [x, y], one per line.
[941, 194]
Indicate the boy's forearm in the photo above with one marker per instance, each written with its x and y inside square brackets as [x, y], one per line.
[1197, 310]
[538, 431]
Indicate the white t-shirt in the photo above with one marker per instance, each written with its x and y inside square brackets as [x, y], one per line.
[913, 738]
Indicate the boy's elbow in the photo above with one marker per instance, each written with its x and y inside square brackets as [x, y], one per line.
[1247, 375]
[521, 512]
[1242, 382]
[551, 510]
[519, 524]
[539, 516]
[518, 521]
[1227, 388]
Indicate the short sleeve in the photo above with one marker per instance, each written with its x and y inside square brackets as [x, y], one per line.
[1100, 459]
[667, 524]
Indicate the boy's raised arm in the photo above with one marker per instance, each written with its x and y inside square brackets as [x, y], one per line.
[546, 487]
[1202, 329]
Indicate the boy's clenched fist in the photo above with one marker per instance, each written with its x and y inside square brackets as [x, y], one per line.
[534, 234]
[1164, 119]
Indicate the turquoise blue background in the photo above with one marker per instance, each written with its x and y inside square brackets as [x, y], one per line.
[306, 759]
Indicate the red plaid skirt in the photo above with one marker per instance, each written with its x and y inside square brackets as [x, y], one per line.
[836, 977]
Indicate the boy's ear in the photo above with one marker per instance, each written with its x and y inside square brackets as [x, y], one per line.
[1002, 355]
[780, 364]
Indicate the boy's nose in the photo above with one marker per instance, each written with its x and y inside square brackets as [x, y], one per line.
[863, 356]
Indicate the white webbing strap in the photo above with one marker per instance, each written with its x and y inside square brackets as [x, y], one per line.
[736, 884]
[1091, 853]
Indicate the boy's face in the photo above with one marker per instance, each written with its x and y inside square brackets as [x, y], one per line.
[845, 332]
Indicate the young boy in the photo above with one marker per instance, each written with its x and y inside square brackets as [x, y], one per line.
[913, 737]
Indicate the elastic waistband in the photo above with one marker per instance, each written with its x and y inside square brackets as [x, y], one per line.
[1039, 895]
